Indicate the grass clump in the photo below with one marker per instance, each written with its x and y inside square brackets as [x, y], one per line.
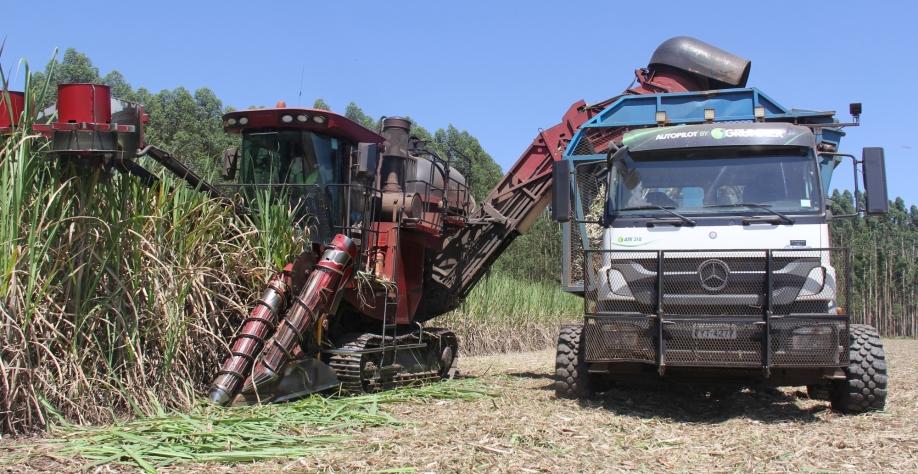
[115, 298]
[243, 434]
[506, 314]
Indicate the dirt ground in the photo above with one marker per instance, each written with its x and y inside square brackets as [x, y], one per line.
[526, 429]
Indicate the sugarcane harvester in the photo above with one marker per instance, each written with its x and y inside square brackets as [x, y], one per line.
[396, 238]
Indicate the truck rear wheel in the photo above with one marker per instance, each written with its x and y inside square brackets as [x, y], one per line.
[864, 387]
[572, 380]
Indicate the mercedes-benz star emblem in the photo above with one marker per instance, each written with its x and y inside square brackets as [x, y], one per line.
[713, 274]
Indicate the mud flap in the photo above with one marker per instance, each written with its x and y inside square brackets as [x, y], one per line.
[301, 378]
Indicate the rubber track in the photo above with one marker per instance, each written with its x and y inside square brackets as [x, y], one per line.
[348, 366]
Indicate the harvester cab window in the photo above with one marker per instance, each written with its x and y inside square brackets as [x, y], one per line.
[278, 158]
[307, 168]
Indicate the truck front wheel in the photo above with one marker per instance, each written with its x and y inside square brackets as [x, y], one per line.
[864, 387]
[572, 380]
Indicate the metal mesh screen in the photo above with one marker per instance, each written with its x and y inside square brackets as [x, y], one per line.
[594, 140]
[718, 282]
[801, 341]
[714, 307]
[809, 281]
[620, 339]
[733, 342]
[621, 282]
[591, 192]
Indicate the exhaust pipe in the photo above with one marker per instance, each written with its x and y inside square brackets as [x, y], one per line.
[713, 67]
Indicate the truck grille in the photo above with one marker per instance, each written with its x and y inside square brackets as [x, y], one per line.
[716, 282]
[792, 341]
[718, 308]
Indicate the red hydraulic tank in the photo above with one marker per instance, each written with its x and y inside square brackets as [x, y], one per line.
[17, 100]
[84, 103]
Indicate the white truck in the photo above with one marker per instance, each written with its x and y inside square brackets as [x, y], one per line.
[696, 229]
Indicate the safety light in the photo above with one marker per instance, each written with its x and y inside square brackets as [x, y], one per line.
[759, 112]
[301, 118]
[286, 118]
[319, 119]
[661, 117]
[708, 115]
[243, 120]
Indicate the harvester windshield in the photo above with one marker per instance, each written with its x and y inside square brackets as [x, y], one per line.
[715, 182]
[290, 158]
[304, 167]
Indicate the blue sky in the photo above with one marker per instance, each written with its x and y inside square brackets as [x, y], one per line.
[501, 70]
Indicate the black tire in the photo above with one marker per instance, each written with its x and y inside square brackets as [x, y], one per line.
[864, 387]
[447, 353]
[571, 377]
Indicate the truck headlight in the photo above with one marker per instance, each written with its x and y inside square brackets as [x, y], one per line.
[622, 335]
[814, 282]
[618, 284]
[819, 337]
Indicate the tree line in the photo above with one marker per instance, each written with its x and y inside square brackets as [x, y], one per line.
[884, 260]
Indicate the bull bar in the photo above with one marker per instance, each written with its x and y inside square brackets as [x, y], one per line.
[775, 308]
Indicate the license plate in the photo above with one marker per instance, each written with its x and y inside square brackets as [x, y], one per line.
[714, 331]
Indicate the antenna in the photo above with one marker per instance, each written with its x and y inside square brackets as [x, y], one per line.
[299, 96]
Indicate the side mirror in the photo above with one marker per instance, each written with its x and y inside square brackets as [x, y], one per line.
[855, 109]
[367, 158]
[561, 191]
[230, 159]
[874, 164]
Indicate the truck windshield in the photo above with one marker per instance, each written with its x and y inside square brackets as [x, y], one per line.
[708, 182]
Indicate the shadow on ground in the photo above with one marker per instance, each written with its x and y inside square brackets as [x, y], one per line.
[695, 404]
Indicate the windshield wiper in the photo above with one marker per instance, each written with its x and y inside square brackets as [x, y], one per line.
[764, 207]
[668, 209]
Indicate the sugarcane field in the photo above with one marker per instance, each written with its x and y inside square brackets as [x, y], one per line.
[406, 237]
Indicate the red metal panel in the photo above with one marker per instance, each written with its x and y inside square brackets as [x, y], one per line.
[332, 124]
[84, 103]
[16, 102]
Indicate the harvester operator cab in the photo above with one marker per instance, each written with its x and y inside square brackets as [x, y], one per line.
[339, 176]
[317, 160]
